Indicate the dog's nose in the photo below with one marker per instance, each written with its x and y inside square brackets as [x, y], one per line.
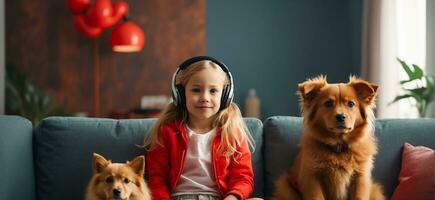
[116, 192]
[340, 117]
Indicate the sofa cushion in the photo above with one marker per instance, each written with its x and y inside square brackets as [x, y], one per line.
[281, 141]
[255, 126]
[391, 135]
[282, 135]
[16, 157]
[64, 147]
[417, 176]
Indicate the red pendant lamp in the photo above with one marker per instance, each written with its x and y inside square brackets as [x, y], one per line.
[91, 19]
[127, 37]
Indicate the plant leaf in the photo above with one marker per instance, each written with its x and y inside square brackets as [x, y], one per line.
[406, 68]
[423, 92]
[22, 98]
[415, 73]
[417, 93]
[405, 81]
[418, 72]
[401, 97]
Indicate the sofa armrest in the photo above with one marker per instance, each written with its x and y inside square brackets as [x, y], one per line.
[17, 179]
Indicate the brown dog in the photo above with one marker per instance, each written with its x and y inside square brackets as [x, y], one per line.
[337, 145]
[118, 181]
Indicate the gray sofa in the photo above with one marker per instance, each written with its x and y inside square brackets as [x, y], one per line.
[54, 161]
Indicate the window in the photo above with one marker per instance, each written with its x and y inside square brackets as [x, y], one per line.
[410, 44]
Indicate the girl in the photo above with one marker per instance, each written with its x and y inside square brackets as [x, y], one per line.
[199, 147]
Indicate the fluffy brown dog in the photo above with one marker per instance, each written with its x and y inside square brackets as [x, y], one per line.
[117, 181]
[337, 145]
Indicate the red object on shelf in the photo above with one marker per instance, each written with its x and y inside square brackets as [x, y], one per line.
[127, 37]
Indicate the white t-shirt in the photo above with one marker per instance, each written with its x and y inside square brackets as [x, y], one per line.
[197, 175]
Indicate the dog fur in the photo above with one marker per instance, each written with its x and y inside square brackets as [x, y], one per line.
[338, 145]
[117, 181]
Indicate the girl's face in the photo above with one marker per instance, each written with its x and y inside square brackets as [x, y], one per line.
[203, 93]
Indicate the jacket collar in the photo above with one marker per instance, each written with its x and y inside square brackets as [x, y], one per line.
[179, 127]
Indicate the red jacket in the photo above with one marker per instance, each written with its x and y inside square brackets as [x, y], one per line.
[164, 165]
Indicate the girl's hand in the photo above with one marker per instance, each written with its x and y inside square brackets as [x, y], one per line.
[230, 197]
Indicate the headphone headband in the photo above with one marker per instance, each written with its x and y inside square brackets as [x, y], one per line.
[227, 93]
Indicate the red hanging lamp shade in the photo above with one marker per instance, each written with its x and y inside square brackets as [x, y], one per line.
[127, 37]
[78, 6]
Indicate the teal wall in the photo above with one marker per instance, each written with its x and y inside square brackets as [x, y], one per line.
[273, 45]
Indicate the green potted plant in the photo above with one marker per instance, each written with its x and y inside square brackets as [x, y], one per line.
[419, 87]
[23, 99]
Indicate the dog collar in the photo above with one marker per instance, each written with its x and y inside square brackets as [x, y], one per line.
[294, 184]
[338, 148]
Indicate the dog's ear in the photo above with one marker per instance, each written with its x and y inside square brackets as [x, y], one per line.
[309, 89]
[99, 163]
[366, 91]
[138, 165]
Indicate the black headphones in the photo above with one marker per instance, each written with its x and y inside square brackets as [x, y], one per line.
[178, 90]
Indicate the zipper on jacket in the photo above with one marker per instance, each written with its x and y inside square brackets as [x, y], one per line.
[213, 156]
[179, 172]
[182, 163]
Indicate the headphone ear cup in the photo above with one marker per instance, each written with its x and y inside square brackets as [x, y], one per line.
[224, 98]
[230, 96]
[181, 96]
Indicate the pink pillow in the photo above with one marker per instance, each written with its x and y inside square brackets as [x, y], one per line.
[417, 175]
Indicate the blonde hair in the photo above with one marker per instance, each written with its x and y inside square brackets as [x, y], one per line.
[234, 130]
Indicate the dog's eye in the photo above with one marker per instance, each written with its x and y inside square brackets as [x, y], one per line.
[109, 179]
[350, 104]
[329, 104]
[126, 180]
